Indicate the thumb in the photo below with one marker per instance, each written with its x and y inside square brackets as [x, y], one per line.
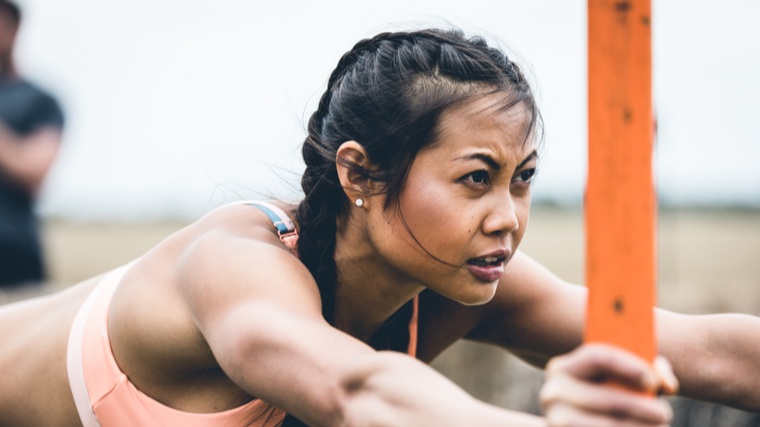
[668, 382]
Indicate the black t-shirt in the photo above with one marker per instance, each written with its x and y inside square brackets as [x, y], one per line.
[24, 109]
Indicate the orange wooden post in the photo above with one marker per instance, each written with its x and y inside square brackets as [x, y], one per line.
[620, 195]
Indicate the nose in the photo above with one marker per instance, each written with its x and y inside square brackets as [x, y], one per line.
[502, 218]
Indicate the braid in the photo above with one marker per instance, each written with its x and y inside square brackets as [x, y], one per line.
[317, 216]
[323, 198]
[318, 211]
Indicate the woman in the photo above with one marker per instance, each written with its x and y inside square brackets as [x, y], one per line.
[419, 162]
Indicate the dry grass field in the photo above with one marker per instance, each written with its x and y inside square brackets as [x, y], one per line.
[709, 262]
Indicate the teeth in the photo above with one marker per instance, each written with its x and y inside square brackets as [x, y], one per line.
[488, 260]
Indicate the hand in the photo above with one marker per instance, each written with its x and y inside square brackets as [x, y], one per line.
[600, 385]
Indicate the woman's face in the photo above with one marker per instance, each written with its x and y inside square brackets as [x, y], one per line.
[466, 201]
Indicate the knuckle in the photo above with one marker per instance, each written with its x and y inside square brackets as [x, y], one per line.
[627, 423]
[559, 417]
[556, 364]
[549, 394]
[667, 411]
[600, 358]
[618, 406]
[592, 348]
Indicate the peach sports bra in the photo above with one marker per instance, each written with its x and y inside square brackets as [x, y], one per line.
[105, 397]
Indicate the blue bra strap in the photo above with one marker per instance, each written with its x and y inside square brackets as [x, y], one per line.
[278, 217]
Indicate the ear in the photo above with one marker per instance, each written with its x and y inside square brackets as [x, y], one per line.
[350, 157]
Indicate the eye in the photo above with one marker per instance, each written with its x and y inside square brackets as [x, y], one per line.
[477, 177]
[526, 175]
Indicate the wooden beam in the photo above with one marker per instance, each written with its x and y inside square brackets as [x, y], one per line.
[620, 196]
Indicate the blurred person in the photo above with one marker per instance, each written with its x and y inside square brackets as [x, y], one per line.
[30, 134]
[419, 164]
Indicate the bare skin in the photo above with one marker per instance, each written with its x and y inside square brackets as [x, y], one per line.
[222, 311]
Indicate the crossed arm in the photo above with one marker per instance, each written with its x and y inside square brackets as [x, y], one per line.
[26, 159]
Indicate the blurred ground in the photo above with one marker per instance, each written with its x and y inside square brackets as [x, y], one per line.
[709, 262]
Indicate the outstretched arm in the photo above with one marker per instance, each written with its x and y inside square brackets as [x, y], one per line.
[716, 357]
[258, 309]
[538, 316]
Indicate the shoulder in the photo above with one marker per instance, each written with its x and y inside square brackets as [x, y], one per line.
[26, 107]
[230, 256]
[244, 220]
[33, 91]
[229, 267]
[204, 294]
[235, 255]
[237, 230]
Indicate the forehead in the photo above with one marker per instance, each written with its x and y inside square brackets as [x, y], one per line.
[484, 123]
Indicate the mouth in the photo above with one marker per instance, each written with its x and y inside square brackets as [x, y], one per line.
[487, 261]
[488, 268]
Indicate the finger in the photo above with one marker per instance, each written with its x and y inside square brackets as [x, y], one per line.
[668, 380]
[604, 400]
[562, 415]
[600, 363]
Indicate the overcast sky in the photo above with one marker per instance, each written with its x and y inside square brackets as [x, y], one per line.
[175, 107]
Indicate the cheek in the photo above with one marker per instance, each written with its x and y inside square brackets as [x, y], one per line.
[522, 210]
[434, 218]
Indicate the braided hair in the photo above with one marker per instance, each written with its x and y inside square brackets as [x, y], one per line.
[387, 94]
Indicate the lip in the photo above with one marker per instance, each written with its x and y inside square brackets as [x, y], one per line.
[490, 273]
[499, 253]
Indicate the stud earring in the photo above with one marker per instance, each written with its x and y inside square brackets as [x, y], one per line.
[359, 202]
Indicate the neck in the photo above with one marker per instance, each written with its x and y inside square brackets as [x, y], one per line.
[7, 68]
[369, 290]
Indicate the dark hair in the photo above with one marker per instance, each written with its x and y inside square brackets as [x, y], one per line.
[12, 9]
[387, 94]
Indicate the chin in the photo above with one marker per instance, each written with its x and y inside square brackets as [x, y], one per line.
[481, 294]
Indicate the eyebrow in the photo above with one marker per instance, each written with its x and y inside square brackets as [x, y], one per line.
[532, 155]
[491, 162]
